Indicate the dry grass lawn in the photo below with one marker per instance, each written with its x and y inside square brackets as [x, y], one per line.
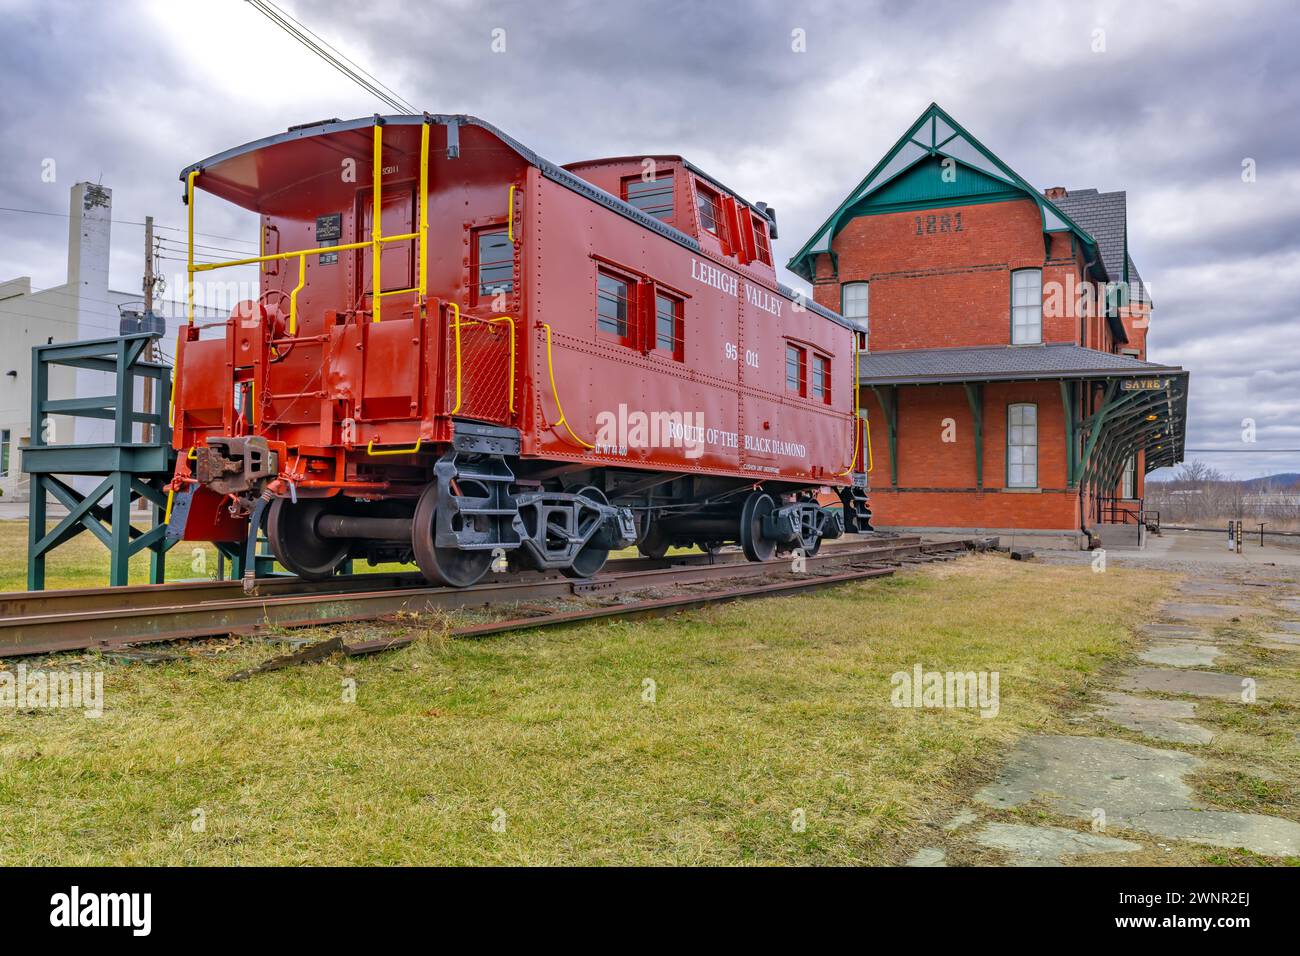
[761, 710]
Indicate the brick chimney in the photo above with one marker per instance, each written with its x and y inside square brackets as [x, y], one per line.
[1055, 192]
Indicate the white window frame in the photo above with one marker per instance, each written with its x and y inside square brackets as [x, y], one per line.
[863, 320]
[1027, 307]
[1128, 479]
[1022, 439]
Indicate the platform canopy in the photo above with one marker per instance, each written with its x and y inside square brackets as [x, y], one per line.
[1133, 406]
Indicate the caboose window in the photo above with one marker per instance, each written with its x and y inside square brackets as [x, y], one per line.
[653, 197]
[708, 203]
[760, 240]
[612, 304]
[494, 263]
[795, 376]
[821, 379]
[668, 325]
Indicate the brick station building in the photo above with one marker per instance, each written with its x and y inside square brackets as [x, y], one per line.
[1002, 357]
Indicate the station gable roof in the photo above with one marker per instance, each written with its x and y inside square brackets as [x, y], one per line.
[936, 136]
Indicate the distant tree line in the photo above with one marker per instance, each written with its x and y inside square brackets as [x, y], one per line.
[1200, 493]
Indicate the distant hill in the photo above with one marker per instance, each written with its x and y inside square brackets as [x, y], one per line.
[1285, 480]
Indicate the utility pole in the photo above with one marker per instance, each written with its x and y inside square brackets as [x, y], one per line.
[147, 405]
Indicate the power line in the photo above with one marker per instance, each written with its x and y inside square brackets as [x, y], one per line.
[332, 56]
[128, 222]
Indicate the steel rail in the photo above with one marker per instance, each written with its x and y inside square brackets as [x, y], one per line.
[19, 604]
[135, 622]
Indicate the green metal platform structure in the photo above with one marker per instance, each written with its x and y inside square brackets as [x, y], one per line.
[135, 464]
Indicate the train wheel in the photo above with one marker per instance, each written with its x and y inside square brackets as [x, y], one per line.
[757, 506]
[588, 562]
[291, 531]
[449, 566]
[655, 544]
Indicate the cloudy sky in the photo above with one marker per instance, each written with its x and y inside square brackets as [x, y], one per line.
[1166, 100]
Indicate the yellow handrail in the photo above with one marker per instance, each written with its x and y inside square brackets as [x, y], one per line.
[189, 245]
[857, 409]
[555, 392]
[370, 448]
[510, 214]
[511, 386]
[374, 243]
[456, 325]
[424, 215]
[376, 221]
[455, 311]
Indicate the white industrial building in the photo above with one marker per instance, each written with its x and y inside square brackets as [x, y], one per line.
[84, 307]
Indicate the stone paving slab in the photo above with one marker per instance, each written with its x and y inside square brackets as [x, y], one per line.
[928, 856]
[1216, 612]
[1194, 587]
[1289, 626]
[1166, 631]
[1135, 787]
[1161, 719]
[1170, 681]
[1044, 846]
[1181, 655]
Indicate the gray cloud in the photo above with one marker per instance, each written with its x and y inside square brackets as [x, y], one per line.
[1183, 92]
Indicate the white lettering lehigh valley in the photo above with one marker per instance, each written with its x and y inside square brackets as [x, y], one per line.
[103, 909]
[760, 298]
[711, 275]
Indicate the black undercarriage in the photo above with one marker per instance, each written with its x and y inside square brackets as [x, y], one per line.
[486, 508]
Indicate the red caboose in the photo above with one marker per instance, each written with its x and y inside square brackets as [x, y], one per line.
[512, 360]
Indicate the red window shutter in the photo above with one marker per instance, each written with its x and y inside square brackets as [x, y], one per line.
[736, 231]
[644, 335]
[747, 232]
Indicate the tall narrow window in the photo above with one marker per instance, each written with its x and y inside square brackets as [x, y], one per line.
[1022, 446]
[653, 197]
[494, 263]
[1027, 307]
[668, 326]
[4, 453]
[795, 373]
[761, 247]
[1128, 483]
[821, 378]
[613, 305]
[708, 203]
[855, 306]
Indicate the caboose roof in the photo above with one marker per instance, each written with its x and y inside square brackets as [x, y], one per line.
[254, 175]
[667, 158]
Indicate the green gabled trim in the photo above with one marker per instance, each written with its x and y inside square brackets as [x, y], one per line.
[973, 200]
[800, 262]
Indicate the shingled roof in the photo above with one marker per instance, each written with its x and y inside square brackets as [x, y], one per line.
[1105, 216]
[999, 363]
